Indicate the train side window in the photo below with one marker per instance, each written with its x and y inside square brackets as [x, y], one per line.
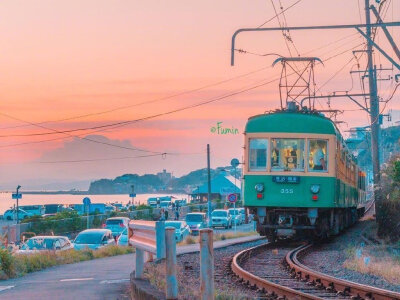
[287, 154]
[318, 155]
[258, 154]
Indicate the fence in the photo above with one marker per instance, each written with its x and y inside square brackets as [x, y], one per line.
[154, 238]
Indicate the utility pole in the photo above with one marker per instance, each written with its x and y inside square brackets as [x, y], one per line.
[17, 193]
[374, 108]
[209, 184]
[372, 78]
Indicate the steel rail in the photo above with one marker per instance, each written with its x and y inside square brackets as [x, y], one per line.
[357, 290]
[264, 284]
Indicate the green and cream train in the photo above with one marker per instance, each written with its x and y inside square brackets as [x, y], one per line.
[299, 177]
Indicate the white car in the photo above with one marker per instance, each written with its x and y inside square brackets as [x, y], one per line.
[11, 214]
[221, 218]
[45, 243]
[236, 216]
[122, 240]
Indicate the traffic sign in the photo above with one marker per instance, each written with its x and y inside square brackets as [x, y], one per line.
[232, 198]
[86, 201]
[235, 162]
[16, 196]
[132, 195]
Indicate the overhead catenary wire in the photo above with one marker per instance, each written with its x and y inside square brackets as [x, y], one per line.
[115, 124]
[262, 83]
[144, 102]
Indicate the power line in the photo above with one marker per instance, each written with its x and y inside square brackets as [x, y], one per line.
[161, 114]
[97, 159]
[110, 125]
[276, 15]
[144, 102]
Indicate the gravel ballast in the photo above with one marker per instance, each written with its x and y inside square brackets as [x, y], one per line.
[227, 286]
[329, 258]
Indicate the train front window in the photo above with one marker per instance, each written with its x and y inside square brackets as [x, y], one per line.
[318, 156]
[258, 154]
[287, 155]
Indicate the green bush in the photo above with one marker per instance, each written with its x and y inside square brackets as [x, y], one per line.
[7, 264]
[388, 207]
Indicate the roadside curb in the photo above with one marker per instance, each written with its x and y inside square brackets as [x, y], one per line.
[141, 289]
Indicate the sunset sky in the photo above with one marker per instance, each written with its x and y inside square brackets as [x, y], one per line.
[78, 64]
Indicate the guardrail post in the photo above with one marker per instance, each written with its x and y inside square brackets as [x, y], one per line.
[172, 284]
[160, 239]
[206, 264]
[139, 263]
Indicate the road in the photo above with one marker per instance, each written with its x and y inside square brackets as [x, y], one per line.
[106, 278]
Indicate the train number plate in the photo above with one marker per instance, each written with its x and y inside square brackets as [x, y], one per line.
[286, 179]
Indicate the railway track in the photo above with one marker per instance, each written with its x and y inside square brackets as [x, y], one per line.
[276, 270]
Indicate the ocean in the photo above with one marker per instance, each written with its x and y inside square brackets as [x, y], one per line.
[33, 199]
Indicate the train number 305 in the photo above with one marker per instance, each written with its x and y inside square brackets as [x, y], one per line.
[286, 191]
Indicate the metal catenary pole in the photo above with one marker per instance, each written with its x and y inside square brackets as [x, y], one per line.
[374, 105]
[209, 186]
[373, 90]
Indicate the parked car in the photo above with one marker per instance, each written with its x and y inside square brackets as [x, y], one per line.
[122, 240]
[33, 210]
[53, 208]
[237, 217]
[196, 221]
[165, 204]
[221, 218]
[118, 206]
[45, 243]
[181, 229]
[94, 239]
[11, 214]
[117, 225]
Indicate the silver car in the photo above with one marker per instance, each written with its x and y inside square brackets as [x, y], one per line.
[236, 216]
[93, 239]
[45, 243]
[181, 229]
[117, 225]
[221, 218]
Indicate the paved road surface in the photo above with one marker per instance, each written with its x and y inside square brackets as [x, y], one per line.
[106, 278]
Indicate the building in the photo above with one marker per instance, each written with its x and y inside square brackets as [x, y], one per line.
[221, 186]
[164, 176]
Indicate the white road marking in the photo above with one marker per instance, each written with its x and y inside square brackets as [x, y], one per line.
[114, 281]
[7, 287]
[76, 279]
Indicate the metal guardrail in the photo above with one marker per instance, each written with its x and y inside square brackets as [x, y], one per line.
[146, 236]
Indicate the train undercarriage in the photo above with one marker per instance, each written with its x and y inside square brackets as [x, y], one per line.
[303, 223]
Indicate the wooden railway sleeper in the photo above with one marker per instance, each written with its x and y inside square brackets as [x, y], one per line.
[369, 295]
[306, 278]
[298, 275]
[319, 284]
[331, 287]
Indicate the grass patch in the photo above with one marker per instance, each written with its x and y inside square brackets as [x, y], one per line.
[382, 261]
[20, 264]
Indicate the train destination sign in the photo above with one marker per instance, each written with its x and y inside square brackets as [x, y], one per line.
[286, 179]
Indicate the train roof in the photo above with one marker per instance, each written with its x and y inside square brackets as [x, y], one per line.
[287, 121]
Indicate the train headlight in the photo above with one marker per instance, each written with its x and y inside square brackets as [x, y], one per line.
[259, 187]
[315, 188]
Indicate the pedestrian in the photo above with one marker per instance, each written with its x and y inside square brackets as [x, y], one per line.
[162, 215]
[177, 213]
[166, 214]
